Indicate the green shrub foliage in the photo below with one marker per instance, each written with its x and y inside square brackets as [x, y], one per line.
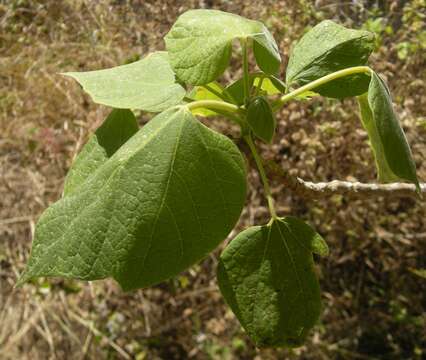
[143, 205]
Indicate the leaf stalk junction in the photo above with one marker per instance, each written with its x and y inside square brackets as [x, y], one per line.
[237, 113]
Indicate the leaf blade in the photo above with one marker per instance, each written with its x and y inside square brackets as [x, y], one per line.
[261, 119]
[384, 173]
[142, 217]
[148, 84]
[396, 150]
[199, 44]
[202, 93]
[270, 86]
[118, 127]
[266, 52]
[262, 274]
[326, 48]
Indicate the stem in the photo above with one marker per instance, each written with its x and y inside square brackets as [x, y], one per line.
[321, 81]
[224, 108]
[245, 70]
[262, 174]
[214, 104]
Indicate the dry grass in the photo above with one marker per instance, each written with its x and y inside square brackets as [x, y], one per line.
[374, 306]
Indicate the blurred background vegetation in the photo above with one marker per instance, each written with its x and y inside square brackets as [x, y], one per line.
[374, 304]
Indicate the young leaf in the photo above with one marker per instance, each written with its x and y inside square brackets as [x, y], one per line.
[148, 84]
[326, 48]
[391, 149]
[163, 201]
[384, 173]
[117, 128]
[261, 119]
[270, 86]
[267, 277]
[202, 93]
[200, 44]
[266, 52]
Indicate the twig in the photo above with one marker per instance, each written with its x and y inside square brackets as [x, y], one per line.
[310, 189]
[357, 188]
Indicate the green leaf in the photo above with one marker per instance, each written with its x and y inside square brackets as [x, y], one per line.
[261, 119]
[326, 48]
[384, 173]
[391, 149]
[200, 44]
[235, 91]
[117, 128]
[270, 86]
[267, 277]
[148, 84]
[266, 52]
[162, 202]
[201, 93]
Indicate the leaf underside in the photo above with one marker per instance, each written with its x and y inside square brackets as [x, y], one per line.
[148, 84]
[267, 277]
[117, 128]
[326, 48]
[200, 44]
[390, 146]
[384, 173]
[162, 202]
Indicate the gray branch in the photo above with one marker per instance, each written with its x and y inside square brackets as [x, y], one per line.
[310, 189]
[356, 188]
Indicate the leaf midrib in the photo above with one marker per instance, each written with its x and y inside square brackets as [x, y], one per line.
[301, 290]
[255, 312]
[118, 168]
[163, 200]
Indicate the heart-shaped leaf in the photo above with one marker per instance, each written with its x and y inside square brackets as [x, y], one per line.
[390, 146]
[162, 202]
[267, 277]
[148, 84]
[117, 128]
[326, 48]
[261, 119]
[200, 44]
